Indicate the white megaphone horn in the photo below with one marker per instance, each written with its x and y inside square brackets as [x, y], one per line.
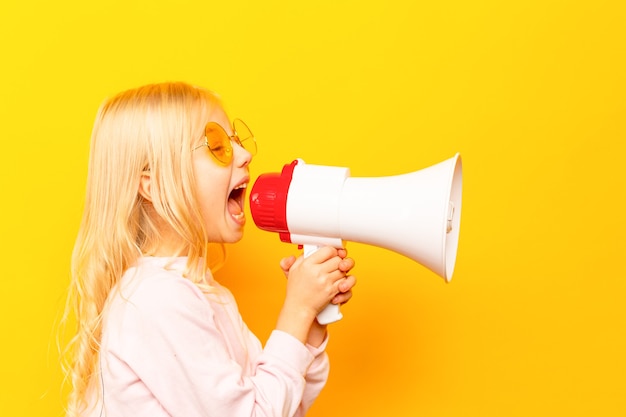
[417, 214]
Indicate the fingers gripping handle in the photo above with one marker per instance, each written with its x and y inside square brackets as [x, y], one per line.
[330, 313]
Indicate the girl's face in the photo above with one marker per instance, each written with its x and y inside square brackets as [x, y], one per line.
[221, 189]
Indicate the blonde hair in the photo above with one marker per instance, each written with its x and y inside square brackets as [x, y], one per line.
[149, 129]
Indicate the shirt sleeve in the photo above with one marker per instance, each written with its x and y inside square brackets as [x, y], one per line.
[316, 377]
[164, 340]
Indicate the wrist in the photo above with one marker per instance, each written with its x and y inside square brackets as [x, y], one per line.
[297, 322]
[317, 334]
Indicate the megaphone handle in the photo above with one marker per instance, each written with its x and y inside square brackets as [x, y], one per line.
[330, 313]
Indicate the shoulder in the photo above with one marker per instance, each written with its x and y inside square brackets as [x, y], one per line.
[151, 288]
[154, 306]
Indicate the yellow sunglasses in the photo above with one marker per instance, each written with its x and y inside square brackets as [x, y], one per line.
[220, 143]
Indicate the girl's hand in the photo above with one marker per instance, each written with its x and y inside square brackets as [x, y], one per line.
[286, 264]
[312, 283]
[345, 288]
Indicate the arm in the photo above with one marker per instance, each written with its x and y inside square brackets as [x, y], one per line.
[317, 373]
[166, 347]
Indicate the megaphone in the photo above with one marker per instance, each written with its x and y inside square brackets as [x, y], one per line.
[417, 214]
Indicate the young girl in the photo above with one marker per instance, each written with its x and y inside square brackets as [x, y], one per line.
[156, 334]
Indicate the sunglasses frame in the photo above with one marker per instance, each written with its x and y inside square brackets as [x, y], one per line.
[227, 157]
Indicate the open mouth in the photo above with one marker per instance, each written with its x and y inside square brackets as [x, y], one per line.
[236, 200]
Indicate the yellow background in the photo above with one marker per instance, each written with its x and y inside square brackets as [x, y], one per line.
[531, 93]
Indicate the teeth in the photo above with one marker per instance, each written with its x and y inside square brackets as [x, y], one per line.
[238, 216]
[242, 187]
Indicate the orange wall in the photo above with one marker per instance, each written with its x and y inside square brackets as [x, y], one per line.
[532, 95]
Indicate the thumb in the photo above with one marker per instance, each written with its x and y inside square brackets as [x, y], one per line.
[287, 263]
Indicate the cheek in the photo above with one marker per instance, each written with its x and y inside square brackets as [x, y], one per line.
[211, 189]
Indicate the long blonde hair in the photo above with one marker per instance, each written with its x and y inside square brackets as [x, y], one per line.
[149, 129]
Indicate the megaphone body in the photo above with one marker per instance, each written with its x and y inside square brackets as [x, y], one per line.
[415, 214]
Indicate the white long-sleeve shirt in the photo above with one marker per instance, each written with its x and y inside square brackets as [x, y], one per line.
[168, 349]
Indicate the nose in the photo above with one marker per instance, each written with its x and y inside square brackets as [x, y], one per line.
[241, 156]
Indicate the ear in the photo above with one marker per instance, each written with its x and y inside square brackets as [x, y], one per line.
[145, 183]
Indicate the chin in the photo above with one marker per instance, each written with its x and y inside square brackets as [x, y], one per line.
[233, 237]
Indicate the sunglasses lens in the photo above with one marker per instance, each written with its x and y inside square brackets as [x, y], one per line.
[246, 137]
[219, 143]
